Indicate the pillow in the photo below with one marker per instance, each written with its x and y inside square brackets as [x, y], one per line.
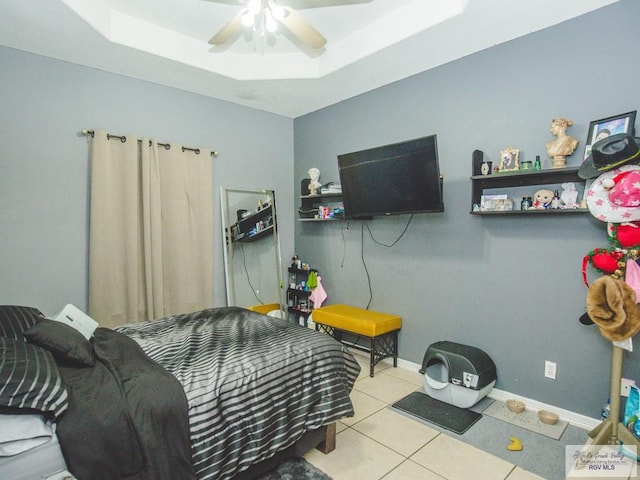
[30, 379]
[16, 319]
[65, 342]
[20, 433]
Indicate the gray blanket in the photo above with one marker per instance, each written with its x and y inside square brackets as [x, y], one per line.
[127, 416]
[254, 384]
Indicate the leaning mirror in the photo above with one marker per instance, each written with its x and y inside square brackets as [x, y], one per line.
[252, 249]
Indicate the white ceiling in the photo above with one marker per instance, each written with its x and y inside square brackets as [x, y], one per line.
[370, 43]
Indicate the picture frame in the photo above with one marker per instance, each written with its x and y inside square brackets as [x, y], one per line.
[604, 127]
[488, 203]
[501, 205]
[509, 160]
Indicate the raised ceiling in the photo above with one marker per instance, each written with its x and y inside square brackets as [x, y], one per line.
[370, 43]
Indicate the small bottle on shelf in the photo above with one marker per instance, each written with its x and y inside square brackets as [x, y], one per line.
[537, 165]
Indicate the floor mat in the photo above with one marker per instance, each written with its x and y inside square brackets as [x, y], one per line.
[296, 469]
[447, 416]
[527, 419]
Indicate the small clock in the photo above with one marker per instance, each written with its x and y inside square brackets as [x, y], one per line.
[485, 168]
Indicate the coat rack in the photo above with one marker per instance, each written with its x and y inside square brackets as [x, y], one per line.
[612, 431]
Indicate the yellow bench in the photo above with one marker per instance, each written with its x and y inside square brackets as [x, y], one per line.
[381, 328]
[264, 308]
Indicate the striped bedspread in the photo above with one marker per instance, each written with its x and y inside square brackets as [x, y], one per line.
[254, 384]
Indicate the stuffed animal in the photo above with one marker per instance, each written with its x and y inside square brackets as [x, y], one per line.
[542, 199]
[611, 305]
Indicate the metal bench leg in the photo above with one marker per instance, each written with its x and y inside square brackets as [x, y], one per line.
[372, 355]
[395, 349]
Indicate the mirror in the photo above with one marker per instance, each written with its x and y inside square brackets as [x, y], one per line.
[252, 248]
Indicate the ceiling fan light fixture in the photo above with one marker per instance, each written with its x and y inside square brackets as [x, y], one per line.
[266, 17]
[254, 6]
[277, 11]
[248, 19]
[269, 22]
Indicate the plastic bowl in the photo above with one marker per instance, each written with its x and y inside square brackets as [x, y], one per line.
[516, 406]
[548, 417]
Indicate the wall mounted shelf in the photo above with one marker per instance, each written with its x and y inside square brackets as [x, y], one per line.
[480, 183]
[309, 206]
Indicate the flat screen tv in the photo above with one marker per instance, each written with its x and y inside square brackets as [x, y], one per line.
[401, 178]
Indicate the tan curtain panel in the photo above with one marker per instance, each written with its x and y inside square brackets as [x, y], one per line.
[151, 230]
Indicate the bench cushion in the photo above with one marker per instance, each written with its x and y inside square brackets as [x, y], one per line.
[357, 320]
[264, 308]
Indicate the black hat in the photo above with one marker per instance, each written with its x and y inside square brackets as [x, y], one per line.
[585, 319]
[609, 153]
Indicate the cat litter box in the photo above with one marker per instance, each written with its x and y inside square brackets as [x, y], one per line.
[457, 374]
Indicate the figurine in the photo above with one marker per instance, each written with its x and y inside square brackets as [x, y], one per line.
[569, 195]
[542, 199]
[564, 145]
[314, 184]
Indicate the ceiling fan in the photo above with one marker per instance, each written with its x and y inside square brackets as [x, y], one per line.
[265, 16]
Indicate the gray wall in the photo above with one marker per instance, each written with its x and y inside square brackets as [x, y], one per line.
[44, 105]
[510, 286]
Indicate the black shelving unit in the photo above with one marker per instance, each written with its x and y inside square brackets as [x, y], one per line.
[480, 183]
[298, 304]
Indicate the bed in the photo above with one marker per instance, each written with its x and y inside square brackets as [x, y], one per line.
[214, 394]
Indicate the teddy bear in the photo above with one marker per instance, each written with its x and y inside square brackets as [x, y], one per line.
[542, 199]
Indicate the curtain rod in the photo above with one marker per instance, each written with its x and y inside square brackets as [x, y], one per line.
[167, 146]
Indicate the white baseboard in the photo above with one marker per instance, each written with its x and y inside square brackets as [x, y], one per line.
[576, 419]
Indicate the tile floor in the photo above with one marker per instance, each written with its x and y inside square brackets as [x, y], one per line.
[380, 444]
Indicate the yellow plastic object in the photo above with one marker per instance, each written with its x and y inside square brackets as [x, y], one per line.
[515, 445]
[266, 308]
[357, 320]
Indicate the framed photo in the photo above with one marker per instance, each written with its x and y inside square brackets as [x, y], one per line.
[502, 205]
[599, 129]
[489, 202]
[509, 160]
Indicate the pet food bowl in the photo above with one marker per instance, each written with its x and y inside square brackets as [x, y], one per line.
[516, 406]
[548, 417]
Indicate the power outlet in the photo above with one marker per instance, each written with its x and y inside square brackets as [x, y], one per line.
[625, 386]
[550, 369]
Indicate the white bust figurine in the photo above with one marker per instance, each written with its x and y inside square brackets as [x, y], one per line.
[314, 184]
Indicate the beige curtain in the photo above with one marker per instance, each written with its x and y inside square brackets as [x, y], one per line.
[151, 232]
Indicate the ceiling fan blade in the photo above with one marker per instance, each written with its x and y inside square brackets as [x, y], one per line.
[303, 30]
[229, 30]
[304, 4]
[228, 2]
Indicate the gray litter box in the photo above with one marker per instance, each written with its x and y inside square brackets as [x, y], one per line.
[457, 374]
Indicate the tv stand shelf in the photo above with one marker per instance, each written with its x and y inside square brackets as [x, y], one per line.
[480, 183]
